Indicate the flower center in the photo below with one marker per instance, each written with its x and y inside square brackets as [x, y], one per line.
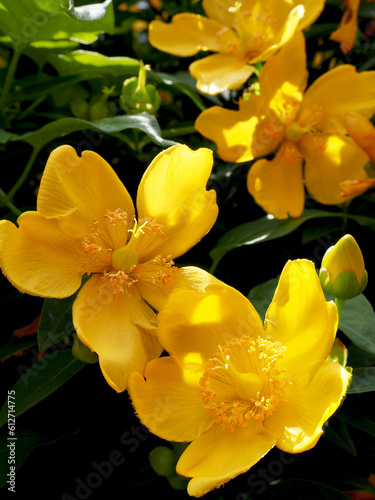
[123, 265]
[126, 257]
[243, 382]
[294, 132]
[252, 27]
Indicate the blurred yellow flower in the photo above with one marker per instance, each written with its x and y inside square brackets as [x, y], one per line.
[85, 224]
[241, 32]
[235, 388]
[300, 127]
[347, 31]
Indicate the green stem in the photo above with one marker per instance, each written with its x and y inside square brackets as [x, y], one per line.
[340, 305]
[6, 201]
[24, 174]
[173, 132]
[9, 78]
[167, 134]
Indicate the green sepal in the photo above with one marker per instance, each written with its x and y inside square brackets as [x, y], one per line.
[82, 352]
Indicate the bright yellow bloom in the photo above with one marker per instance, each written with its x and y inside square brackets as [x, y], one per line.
[85, 224]
[241, 32]
[234, 387]
[299, 127]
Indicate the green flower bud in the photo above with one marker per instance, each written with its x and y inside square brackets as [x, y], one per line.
[82, 352]
[80, 108]
[178, 482]
[137, 97]
[99, 107]
[163, 461]
[342, 272]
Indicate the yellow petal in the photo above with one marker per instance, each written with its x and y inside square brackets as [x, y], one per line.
[362, 131]
[347, 31]
[218, 456]
[220, 72]
[38, 258]
[313, 9]
[283, 79]
[167, 402]
[335, 93]
[310, 400]
[77, 189]
[173, 191]
[349, 189]
[192, 325]
[244, 134]
[300, 317]
[187, 278]
[283, 32]
[219, 10]
[118, 328]
[277, 185]
[329, 160]
[186, 35]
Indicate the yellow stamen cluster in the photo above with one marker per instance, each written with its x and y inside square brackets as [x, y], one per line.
[121, 281]
[120, 267]
[243, 382]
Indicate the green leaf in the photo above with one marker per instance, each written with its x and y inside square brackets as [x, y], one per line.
[30, 88]
[356, 419]
[93, 64]
[93, 12]
[336, 431]
[306, 489]
[268, 228]
[265, 229]
[17, 344]
[56, 322]
[358, 323]
[363, 380]
[110, 126]
[33, 22]
[41, 380]
[261, 296]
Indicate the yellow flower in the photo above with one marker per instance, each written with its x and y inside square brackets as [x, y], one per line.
[234, 387]
[299, 126]
[241, 33]
[85, 224]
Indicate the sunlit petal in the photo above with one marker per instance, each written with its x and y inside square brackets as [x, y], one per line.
[173, 191]
[277, 184]
[329, 160]
[119, 328]
[300, 317]
[311, 399]
[216, 456]
[167, 399]
[192, 325]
